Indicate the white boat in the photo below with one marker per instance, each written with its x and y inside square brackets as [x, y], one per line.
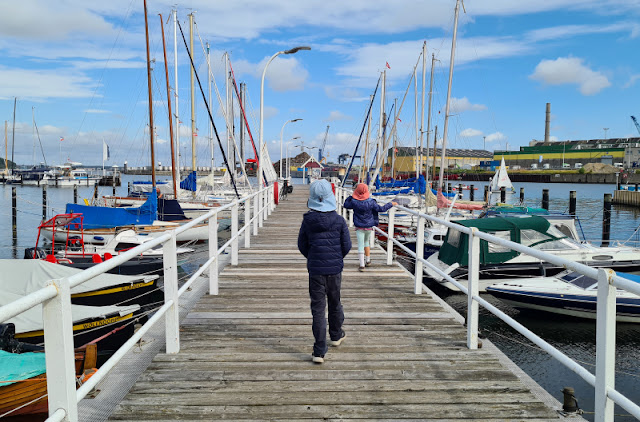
[536, 232]
[501, 180]
[568, 293]
[65, 175]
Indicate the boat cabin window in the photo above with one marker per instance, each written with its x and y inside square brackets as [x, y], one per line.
[494, 247]
[453, 238]
[438, 237]
[124, 245]
[566, 231]
[579, 280]
[530, 237]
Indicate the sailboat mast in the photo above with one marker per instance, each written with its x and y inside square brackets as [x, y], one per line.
[446, 112]
[433, 60]
[153, 157]
[6, 147]
[365, 165]
[435, 152]
[175, 91]
[166, 74]
[13, 133]
[380, 156]
[418, 128]
[193, 102]
[210, 125]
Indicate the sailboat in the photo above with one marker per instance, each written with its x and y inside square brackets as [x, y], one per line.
[501, 180]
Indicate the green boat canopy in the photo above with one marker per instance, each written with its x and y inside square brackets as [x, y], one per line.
[526, 230]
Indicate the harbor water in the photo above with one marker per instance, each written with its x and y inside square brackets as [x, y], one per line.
[575, 338]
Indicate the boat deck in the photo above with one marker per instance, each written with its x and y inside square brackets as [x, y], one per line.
[246, 353]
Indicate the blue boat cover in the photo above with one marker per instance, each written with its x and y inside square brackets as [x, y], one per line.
[189, 182]
[410, 185]
[20, 366]
[104, 217]
[170, 210]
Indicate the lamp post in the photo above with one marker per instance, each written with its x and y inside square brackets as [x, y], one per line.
[281, 132]
[264, 72]
[288, 164]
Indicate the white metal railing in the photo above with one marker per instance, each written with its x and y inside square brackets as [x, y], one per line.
[56, 300]
[604, 379]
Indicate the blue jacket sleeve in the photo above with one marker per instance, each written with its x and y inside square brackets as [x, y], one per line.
[303, 241]
[348, 203]
[381, 208]
[345, 238]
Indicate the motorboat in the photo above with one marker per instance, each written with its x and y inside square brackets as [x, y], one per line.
[567, 293]
[536, 232]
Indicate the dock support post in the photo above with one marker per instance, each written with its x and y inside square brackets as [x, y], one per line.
[44, 202]
[503, 194]
[417, 288]
[213, 251]
[113, 183]
[472, 277]
[471, 193]
[606, 341]
[460, 191]
[572, 202]
[606, 220]
[256, 213]
[58, 337]
[545, 199]
[75, 194]
[636, 188]
[449, 188]
[486, 194]
[391, 231]
[234, 232]
[14, 212]
[172, 317]
[247, 225]
[522, 196]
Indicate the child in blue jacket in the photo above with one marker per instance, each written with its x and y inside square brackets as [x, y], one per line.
[365, 217]
[324, 240]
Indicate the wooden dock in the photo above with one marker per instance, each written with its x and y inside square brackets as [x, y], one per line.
[246, 354]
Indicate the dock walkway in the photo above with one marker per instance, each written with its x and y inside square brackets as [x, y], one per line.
[246, 353]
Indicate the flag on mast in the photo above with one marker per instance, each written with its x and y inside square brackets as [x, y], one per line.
[105, 151]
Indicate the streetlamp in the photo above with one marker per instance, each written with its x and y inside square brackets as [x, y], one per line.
[264, 72]
[605, 132]
[288, 163]
[281, 132]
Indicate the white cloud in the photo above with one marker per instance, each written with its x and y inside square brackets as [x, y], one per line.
[336, 115]
[460, 105]
[570, 70]
[632, 80]
[470, 133]
[270, 112]
[283, 74]
[496, 137]
[38, 84]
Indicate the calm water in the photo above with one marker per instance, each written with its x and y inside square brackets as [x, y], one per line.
[576, 338]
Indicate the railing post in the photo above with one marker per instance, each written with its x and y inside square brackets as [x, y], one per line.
[391, 231]
[260, 213]
[270, 200]
[256, 213]
[472, 305]
[350, 213]
[265, 207]
[59, 357]
[172, 319]
[247, 226]
[605, 345]
[213, 250]
[417, 288]
[234, 233]
[338, 202]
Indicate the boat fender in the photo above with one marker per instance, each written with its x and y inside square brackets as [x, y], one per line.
[88, 373]
[64, 261]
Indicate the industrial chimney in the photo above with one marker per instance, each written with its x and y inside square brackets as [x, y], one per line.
[546, 124]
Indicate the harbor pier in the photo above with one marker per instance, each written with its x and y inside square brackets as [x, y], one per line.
[245, 353]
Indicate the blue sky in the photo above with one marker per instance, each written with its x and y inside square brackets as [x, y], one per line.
[81, 68]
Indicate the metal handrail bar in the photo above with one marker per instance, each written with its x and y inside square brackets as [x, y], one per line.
[27, 302]
[603, 381]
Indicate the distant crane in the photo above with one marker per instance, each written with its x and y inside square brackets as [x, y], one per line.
[636, 123]
[324, 143]
[342, 158]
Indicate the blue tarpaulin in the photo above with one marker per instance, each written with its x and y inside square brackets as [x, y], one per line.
[103, 217]
[189, 182]
[412, 185]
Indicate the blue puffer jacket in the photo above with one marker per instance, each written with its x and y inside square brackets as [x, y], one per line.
[365, 213]
[324, 240]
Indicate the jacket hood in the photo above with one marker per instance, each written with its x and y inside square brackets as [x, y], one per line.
[321, 197]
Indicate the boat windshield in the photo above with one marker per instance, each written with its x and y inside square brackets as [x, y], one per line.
[552, 239]
[579, 280]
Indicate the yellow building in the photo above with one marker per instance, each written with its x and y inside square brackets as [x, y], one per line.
[405, 160]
